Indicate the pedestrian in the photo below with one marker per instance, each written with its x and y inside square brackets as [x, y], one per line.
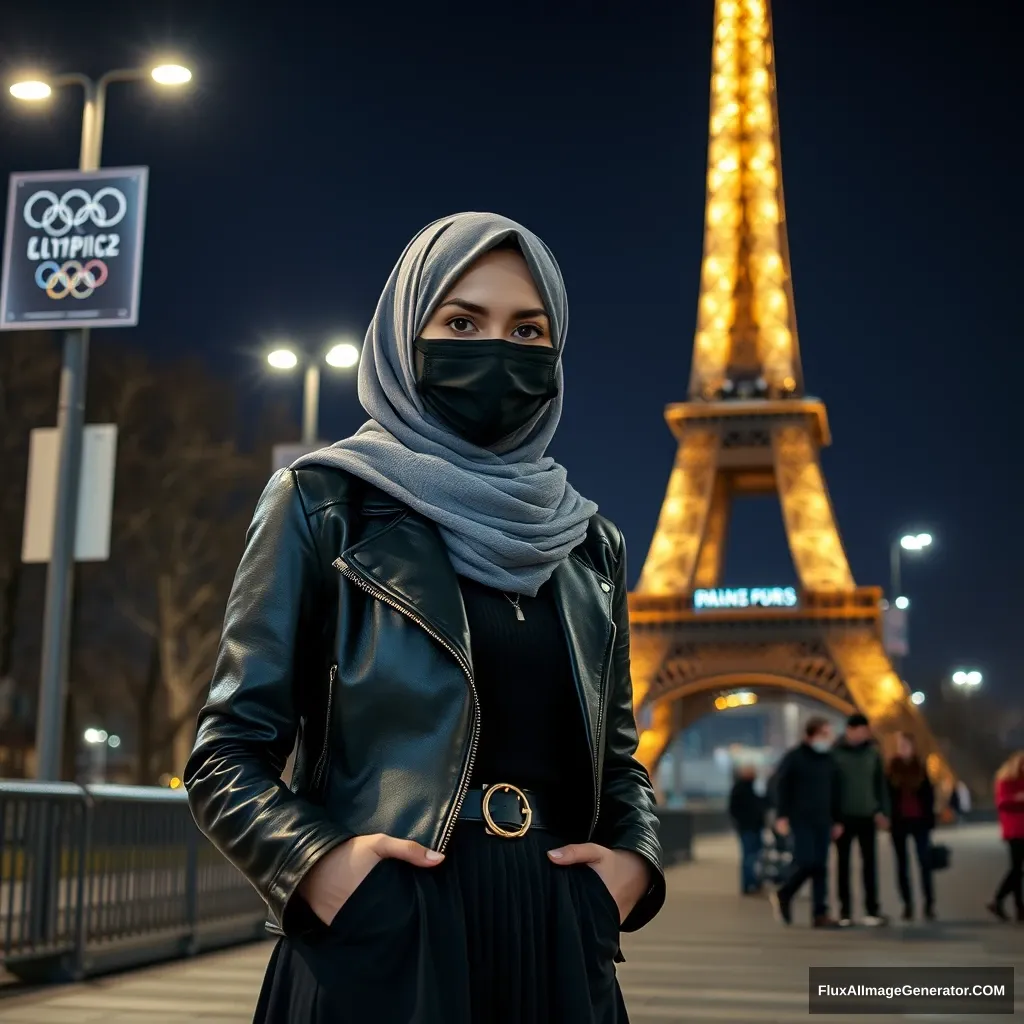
[442, 622]
[807, 801]
[912, 802]
[747, 810]
[1010, 805]
[863, 810]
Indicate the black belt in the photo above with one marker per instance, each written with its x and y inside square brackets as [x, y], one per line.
[505, 810]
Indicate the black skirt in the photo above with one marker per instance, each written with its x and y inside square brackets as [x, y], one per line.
[497, 934]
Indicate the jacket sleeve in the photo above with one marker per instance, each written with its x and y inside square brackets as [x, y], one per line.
[927, 798]
[1006, 797]
[783, 787]
[248, 726]
[881, 783]
[627, 820]
[837, 791]
[733, 802]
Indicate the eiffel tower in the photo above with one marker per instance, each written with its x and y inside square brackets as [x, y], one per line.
[749, 428]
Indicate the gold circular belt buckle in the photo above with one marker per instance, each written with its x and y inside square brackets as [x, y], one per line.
[493, 826]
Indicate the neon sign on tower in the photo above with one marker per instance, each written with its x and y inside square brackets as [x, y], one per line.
[745, 597]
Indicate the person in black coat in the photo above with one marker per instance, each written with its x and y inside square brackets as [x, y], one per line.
[807, 808]
[747, 809]
[912, 799]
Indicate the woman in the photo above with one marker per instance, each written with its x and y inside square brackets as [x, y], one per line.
[912, 800]
[1010, 805]
[441, 622]
[747, 810]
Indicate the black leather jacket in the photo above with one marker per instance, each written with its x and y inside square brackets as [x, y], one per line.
[345, 629]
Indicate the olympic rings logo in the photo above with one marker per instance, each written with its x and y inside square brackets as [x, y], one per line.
[73, 209]
[72, 279]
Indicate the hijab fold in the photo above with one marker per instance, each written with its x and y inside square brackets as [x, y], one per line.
[507, 514]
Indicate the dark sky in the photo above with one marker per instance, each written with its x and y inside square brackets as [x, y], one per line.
[316, 141]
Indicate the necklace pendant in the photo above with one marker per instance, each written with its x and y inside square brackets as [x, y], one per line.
[520, 617]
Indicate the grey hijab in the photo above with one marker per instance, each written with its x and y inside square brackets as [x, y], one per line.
[507, 514]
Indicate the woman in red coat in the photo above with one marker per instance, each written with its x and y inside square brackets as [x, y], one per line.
[1010, 804]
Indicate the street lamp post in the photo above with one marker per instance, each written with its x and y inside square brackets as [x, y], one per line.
[908, 542]
[967, 681]
[70, 419]
[343, 355]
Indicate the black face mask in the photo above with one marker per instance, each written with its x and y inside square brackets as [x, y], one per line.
[486, 390]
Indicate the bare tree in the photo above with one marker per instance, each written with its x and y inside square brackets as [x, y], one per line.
[28, 398]
[184, 491]
[29, 370]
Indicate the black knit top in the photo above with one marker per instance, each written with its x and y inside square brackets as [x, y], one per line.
[532, 730]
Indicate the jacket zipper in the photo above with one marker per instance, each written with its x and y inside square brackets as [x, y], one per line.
[597, 747]
[321, 764]
[474, 734]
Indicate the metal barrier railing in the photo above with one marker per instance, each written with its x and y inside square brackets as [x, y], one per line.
[99, 877]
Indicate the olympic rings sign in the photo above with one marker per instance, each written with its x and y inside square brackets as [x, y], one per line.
[72, 255]
[72, 279]
[60, 216]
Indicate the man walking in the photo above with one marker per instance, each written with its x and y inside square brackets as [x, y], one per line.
[747, 810]
[807, 793]
[863, 809]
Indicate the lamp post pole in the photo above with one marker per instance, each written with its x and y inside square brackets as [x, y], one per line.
[311, 404]
[57, 612]
[70, 421]
[894, 570]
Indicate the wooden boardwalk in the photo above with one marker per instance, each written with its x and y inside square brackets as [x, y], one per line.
[710, 956]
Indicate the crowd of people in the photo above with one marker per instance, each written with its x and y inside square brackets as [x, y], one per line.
[843, 792]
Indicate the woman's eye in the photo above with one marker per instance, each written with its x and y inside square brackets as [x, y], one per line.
[528, 332]
[461, 324]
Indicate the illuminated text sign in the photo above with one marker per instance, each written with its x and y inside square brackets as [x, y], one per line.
[745, 597]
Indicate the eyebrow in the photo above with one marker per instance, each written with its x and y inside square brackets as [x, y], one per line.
[472, 307]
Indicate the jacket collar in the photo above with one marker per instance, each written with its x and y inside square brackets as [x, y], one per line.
[403, 558]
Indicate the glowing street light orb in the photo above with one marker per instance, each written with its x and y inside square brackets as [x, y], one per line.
[91, 736]
[916, 542]
[343, 356]
[917, 697]
[903, 603]
[967, 680]
[114, 742]
[283, 359]
[31, 90]
[171, 74]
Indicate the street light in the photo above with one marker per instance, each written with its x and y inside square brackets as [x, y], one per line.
[70, 406]
[343, 355]
[967, 681]
[914, 543]
[917, 697]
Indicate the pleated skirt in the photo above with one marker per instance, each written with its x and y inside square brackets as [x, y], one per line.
[497, 934]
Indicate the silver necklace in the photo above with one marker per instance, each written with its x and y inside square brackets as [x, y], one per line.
[520, 617]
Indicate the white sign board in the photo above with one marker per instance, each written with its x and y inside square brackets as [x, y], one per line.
[285, 454]
[95, 494]
[895, 632]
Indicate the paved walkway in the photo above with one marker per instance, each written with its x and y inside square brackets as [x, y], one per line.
[710, 956]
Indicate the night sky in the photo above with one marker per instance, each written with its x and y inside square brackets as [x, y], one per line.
[313, 143]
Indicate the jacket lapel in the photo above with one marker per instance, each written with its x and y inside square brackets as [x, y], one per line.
[584, 599]
[405, 560]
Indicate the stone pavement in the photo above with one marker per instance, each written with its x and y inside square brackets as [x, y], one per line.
[710, 956]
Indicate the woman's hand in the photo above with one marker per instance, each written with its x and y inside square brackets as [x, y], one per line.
[333, 879]
[626, 874]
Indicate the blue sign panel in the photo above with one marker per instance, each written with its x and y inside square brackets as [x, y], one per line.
[745, 597]
[73, 249]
